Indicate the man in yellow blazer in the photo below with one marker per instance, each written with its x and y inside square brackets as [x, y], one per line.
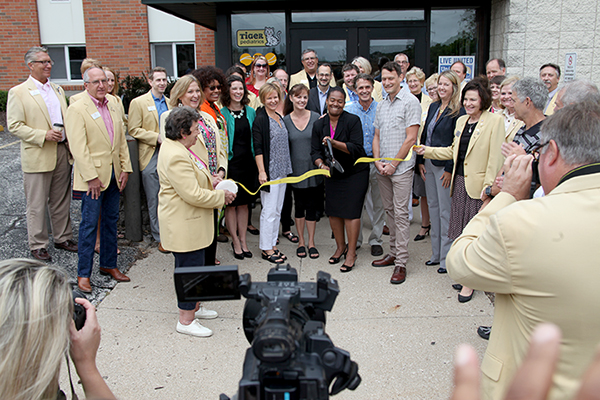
[308, 74]
[540, 256]
[550, 75]
[145, 113]
[102, 166]
[35, 114]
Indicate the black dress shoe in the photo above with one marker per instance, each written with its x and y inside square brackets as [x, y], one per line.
[67, 245]
[457, 286]
[237, 256]
[430, 263]
[442, 270]
[464, 299]
[376, 250]
[484, 332]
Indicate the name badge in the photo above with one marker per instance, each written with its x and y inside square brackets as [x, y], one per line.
[151, 108]
[34, 92]
[96, 115]
[199, 164]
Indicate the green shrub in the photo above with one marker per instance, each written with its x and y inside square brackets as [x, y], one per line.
[3, 100]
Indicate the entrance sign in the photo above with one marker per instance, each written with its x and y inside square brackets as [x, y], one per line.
[258, 37]
[445, 62]
[570, 67]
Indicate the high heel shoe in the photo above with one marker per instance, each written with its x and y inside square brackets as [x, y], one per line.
[421, 237]
[335, 260]
[464, 299]
[238, 256]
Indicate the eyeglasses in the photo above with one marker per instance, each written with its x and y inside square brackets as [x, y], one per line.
[97, 82]
[214, 87]
[44, 62]
[535, 152]
[402, 62]
[260, 65]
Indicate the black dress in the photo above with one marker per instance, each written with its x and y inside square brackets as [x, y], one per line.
[344, 193]
[242, 167]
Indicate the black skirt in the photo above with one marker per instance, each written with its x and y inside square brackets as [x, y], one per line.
[344, 197]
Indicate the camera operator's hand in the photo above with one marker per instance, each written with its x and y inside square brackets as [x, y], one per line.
[84, 346]
[517, 176]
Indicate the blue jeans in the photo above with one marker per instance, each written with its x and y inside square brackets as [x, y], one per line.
[106, 206]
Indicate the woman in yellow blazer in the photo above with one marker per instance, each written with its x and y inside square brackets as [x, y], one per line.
[187, 92]
[477, 159]
[186, 204]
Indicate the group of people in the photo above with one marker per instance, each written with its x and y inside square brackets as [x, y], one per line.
[473, 151]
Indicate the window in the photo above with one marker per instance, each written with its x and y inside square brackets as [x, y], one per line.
[67, 61]
[453, 33]
[177, 58]
[355, 16]
[258, 33]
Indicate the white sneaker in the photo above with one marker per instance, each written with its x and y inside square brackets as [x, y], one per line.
[205, 313]
[194, 329]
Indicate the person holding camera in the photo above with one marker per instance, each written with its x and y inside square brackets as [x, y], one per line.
[345, 190]
[533, 255]
[37, 330]
[186, 204]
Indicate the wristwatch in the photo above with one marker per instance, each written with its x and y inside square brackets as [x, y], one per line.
[488, 191]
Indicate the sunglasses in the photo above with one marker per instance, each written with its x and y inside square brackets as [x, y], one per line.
[260, 65]
[214, 87]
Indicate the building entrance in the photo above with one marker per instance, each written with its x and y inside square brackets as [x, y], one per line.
[338, 46]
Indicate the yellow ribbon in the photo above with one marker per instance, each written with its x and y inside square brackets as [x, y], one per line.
[371, 159]
[289, 179]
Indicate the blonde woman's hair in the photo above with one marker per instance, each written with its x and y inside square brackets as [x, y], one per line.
[267, 89]
[432, 79]
[181, 87]
[36, 310]
[363, 63]
[115, 89]
[455, 103]
[509, 81]
[418, 73]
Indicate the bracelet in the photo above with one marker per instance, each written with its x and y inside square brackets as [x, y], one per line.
[320, 165]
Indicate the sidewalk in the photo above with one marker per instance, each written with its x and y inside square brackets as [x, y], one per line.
[402, 336]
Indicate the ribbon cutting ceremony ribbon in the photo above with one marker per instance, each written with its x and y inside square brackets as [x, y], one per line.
[289, 179]
[371, 159]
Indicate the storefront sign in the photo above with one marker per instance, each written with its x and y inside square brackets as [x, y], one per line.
[570, 67]
[258, 38]
[445, 62]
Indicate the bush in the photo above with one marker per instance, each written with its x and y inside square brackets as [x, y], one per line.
[3, 100]
[134, 86]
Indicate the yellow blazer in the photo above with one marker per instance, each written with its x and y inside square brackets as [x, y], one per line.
[200, 147]
[302, 77]
[143, 125]
[186, 199]
[532, 255]
[483, 159]
[552, 105]
[94, 155]
[512, 130]
[28, 119]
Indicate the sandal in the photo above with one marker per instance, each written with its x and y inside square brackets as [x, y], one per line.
[313, 252]
[348, 268]
[291, 237]
[273, 257]
[301, 252]
[280, 254]
[335, 260]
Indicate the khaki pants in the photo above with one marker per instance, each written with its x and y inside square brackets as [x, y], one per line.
[51, 189]
[395, 194]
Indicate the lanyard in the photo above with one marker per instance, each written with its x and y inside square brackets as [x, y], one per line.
[198, 161]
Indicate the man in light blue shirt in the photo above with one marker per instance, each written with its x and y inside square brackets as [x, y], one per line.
[365, 108]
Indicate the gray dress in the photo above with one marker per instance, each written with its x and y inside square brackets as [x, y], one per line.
[300, 146]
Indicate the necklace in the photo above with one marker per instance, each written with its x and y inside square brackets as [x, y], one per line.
[237, 114]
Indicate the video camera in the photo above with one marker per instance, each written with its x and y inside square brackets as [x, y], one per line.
[291, 357]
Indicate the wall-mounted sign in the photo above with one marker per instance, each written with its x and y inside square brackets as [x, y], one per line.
[445, 62]
[258, 38]
[247, 59]
[570, 67]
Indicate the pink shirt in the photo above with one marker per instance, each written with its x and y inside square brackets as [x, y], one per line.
[102, 107]
[52, 102]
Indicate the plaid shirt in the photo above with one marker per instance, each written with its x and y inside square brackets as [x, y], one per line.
[367, 118]
[392, 119]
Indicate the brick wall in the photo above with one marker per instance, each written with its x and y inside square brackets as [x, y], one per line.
[205, 46]
[18, 32]
[116, 33]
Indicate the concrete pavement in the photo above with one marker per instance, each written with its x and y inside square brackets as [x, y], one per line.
[402, 336]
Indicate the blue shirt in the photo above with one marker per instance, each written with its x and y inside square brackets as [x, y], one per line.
[367, 118]
[161, 105]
